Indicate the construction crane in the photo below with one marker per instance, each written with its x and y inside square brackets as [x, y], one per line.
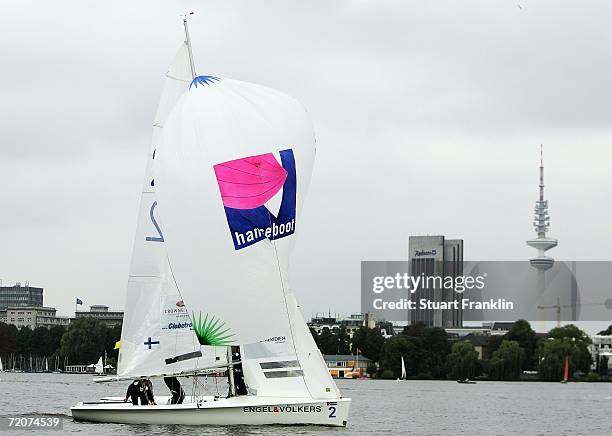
[559, 306]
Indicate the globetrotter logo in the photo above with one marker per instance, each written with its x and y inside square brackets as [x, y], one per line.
[246, 185]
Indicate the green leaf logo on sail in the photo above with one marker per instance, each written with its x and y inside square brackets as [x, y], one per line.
[210, 331]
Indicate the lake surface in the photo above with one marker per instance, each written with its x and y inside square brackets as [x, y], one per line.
[379, 407]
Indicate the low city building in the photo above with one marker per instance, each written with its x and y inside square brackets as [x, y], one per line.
[351, 324]
[34, 316]
[601, 352]
[346, 365]
[99, 311]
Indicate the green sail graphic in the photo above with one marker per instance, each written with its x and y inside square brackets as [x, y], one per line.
[210, 330]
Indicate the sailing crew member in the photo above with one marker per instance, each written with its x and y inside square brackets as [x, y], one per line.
[134, 392]
[147, 389]
[178, 394]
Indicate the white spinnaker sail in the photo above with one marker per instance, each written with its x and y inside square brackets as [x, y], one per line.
[233, 168]
[155, 331]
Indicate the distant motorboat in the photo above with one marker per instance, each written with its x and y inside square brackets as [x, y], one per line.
[467, 381]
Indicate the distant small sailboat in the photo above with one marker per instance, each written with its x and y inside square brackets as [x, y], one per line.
[403, 376]
[566, 370]
[99, 369]
[1, 367]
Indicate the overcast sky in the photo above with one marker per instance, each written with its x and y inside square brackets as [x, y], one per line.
[428, 117]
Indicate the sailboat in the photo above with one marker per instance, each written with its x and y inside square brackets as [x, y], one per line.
[566, 370]
[1, 367]
[56, 369]
[46, 365]
[403, 377]
[99, 367]
[230, 166]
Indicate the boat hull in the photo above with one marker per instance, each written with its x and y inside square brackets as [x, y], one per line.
[231, 411]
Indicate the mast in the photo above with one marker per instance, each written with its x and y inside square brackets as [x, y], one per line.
[188, 42]
[230, 372]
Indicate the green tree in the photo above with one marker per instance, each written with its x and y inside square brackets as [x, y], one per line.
[85, 341]
[427, 359]
[327, 342]
[522, 333]
[507, 362]
[8, 339]
[395, 348]
[41, 342]
[462, 361]
[24, 341]
[55, 338]
[560, 342]
[606, 332]
[369, 341]
[343, 341]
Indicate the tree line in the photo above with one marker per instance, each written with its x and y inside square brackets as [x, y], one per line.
[83, 342]
[430, 353]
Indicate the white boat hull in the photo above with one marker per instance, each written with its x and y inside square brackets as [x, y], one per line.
[246, 410]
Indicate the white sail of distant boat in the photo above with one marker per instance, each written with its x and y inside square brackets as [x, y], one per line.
[230, 173]
[99, 367]
[1, 367]
[46, 365]
[403, 377]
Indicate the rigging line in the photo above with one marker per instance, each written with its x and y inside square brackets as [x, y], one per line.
[178, 289]
[280, 275]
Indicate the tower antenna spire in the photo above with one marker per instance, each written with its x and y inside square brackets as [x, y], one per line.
[541, 224]
[188, 42]
[541, 172]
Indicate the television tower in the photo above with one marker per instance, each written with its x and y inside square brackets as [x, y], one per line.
[541, 225]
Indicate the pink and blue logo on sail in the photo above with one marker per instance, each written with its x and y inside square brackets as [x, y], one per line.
[246, 186]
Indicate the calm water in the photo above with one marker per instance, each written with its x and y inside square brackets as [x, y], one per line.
[379, 407]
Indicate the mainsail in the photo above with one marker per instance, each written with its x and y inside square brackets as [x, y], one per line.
[157, 335]
[232, 171]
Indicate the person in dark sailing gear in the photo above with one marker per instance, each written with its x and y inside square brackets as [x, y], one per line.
[178, 394]
[239, 384]
[134, 392]
[147, 388]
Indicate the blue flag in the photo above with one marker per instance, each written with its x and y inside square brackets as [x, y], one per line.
[78, 301]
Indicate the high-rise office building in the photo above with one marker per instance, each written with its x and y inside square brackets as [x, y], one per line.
[436, 256]
[20, 296]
